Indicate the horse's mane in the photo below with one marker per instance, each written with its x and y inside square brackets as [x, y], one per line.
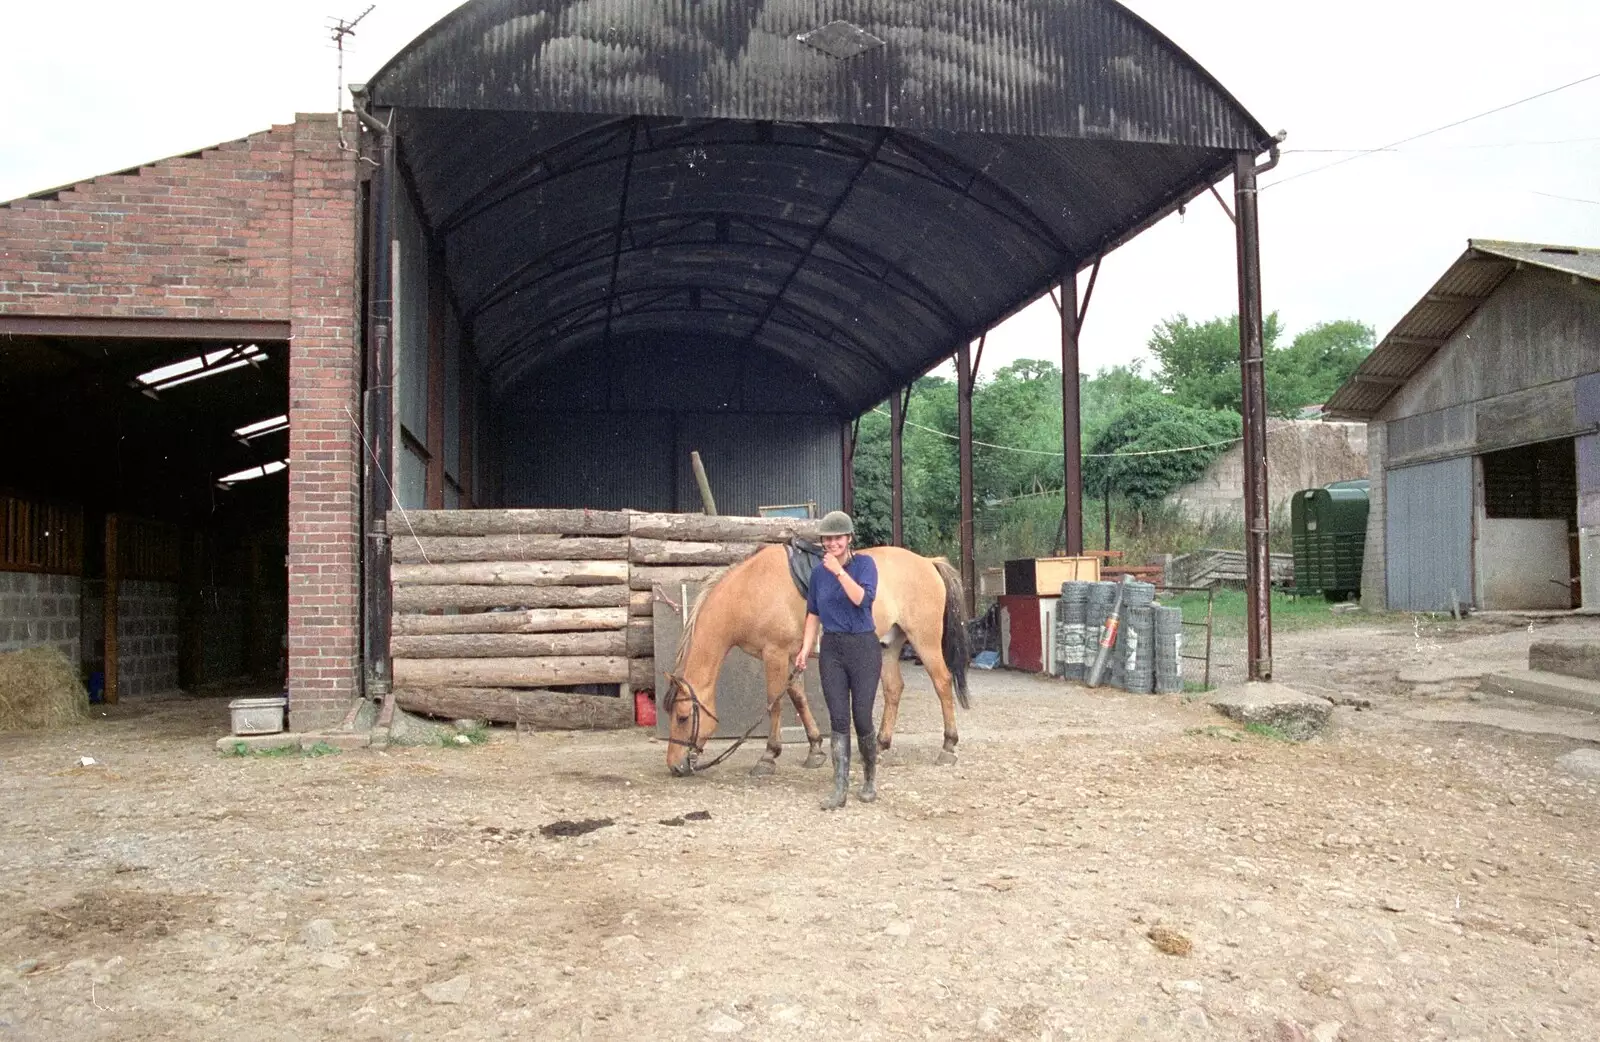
[706, 588]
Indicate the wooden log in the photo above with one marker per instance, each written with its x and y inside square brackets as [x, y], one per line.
[435, 598]
[701, 528]
[512, 522]
[509, 645]
[552, 671]
[670, 576]
[530, 620]
[641, 602]
[664, 551]
[512, 573]
[446, 549]
[542, 710]
[642, 674]
[641, 638]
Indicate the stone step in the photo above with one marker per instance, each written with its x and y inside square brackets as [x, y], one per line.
[1573, 658]
[1552, 689]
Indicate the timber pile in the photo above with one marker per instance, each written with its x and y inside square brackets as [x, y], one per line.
[545, 599]
[1223, 568]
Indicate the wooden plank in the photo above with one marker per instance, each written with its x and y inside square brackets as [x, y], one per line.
[648, 576]
[438, 598]
[530, 620]
[665, 551]
[508, 645]
[447, 549]
[541, 710]
[642, 674]
[552, 671]
[639, 602]
[702, 528]
[512, 522]
[511, 573]
[641, 638]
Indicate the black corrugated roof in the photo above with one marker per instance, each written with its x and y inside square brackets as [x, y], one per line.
[610, 167]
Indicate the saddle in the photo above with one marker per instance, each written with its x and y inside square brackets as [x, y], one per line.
[804, 556]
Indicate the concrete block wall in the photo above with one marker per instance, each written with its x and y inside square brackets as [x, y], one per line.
[1300, 454]
[40, 609]
[148, 637]
[1374, 563]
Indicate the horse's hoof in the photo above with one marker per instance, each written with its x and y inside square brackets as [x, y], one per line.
[946, 759]
[884, 741]
[763, 769]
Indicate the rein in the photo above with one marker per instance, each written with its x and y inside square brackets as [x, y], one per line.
[697, 707]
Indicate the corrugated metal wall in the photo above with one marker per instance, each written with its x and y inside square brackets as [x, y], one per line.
[1429, 535]
[640, 460]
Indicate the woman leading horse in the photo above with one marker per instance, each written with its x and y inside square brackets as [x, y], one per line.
[755, 606]
[839, 603]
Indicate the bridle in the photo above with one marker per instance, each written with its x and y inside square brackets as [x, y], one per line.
[679, 687]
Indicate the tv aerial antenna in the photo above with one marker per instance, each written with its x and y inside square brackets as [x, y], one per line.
[341, 29]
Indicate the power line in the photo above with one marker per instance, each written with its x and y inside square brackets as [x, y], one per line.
[1568, 198]
[1442, 148]
[1086, 455]
[1435, 130]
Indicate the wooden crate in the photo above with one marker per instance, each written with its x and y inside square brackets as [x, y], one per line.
[1044, 575]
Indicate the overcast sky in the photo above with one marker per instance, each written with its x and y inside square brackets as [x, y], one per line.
[102, 86]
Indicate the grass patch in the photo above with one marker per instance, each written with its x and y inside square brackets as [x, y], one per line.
[283, 752]
[1288, 613]
[1268, 732]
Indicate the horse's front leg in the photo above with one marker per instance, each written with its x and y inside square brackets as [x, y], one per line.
[777, 667]
[815, 757]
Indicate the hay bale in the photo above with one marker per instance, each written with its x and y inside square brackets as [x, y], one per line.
[40, 689]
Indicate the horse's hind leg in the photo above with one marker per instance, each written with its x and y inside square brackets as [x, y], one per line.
[894, 685]
[777, 667]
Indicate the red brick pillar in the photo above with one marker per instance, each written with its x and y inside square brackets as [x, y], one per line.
[324, 443]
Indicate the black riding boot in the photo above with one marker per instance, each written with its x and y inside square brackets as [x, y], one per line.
[869, 768]
[841, 772]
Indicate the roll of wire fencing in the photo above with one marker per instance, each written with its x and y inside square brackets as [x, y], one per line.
[1138, 657]
[1072, 633]
[1136, 597]
[1168, 652]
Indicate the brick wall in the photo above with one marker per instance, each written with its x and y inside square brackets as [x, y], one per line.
[324, 443]
[148, 637]
[261, 229]
[40, 609]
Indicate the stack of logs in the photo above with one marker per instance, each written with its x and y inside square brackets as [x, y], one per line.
[494, 608]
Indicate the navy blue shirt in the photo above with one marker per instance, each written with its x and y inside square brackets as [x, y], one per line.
[828, 601]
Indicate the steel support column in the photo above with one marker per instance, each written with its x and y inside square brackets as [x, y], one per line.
[847, 476]
[378, 424]
[1258, 565]
[897, 490]
[1071, 423]
[969, 562]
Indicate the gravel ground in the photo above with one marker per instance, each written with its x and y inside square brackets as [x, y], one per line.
[1097, 866]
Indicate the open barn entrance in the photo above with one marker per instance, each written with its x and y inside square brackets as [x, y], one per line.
[1526, 551]
[143, 501]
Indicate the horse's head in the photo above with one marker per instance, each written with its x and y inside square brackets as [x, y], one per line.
[691, 721]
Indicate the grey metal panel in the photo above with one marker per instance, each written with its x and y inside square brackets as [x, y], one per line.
[756, 460]
[1077, 68]
[411, 319]
[640, 460]
[1429, 535]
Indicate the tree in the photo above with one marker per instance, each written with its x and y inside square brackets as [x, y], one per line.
[1019, 408]
[1308, 371]
[1199, 361]
[1146, 425]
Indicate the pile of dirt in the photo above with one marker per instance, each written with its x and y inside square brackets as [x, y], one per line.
[39, 690]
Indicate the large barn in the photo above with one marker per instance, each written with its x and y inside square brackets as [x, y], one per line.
[1482, 407]
[557, 247]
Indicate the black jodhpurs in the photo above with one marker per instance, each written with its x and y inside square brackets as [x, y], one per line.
[851, 664]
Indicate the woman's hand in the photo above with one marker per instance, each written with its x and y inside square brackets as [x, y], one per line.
[833, 564]
[800, 660]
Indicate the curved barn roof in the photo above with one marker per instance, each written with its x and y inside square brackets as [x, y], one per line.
[858, 193]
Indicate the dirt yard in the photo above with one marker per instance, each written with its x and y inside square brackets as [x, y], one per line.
[1406, 876]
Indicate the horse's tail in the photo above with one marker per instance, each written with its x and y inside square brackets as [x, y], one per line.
[955, 645]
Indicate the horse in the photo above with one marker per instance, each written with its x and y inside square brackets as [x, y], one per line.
[754, 606]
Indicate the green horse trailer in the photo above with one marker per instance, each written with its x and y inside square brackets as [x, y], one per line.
[1330, 537]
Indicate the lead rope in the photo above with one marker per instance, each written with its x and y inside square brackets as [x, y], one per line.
[730, 750]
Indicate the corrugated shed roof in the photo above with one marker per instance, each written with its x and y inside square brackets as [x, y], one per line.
[599, 168]
[1458, 294]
